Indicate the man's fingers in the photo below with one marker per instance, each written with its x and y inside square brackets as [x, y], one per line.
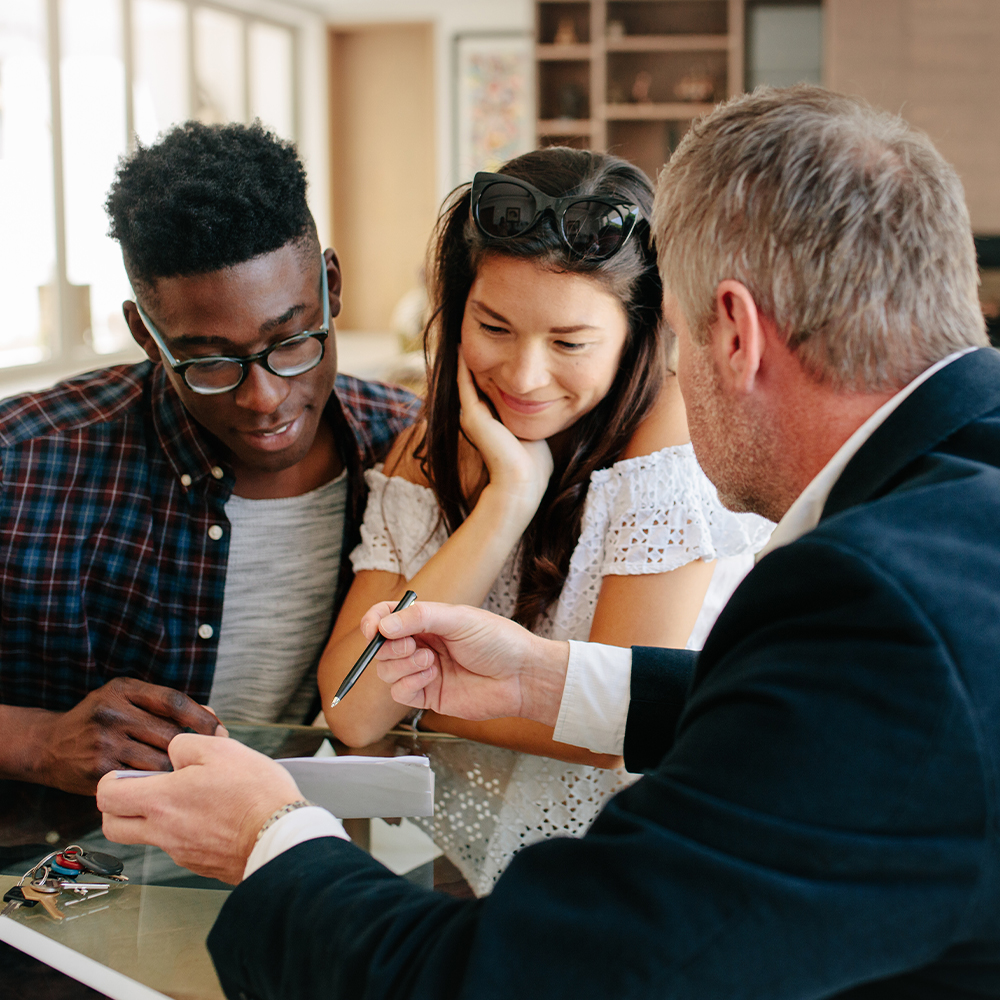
[426, 617]
[412, 689]
[125, 829]
[191, 748]
[397, 649]
[169, 704]
[129, 797]
[151, 730]
[187, 749]
[371, 618]
[397, 668]
[139, 756]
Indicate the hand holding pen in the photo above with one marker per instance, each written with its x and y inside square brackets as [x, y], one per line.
[369, 654]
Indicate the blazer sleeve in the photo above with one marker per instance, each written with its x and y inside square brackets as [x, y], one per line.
[819, 821]
[659, 687]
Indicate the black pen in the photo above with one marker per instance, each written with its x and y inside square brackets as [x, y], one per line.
[369, 654]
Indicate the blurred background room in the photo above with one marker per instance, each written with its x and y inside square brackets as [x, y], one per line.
[394, 102]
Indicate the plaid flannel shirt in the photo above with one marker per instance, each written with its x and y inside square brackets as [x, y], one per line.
[108, 489]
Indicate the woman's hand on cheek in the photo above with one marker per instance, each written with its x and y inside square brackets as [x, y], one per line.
[519, 470]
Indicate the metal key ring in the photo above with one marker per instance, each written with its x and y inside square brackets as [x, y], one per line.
[31, 871]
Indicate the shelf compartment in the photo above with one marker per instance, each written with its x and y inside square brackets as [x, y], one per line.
[656, 112]
[669, 43]
[670, 17]
[559, 53]
[664, 73]
[647, 144]
[553, 16]
[564, 89]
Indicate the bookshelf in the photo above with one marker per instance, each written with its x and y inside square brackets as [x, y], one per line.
[628, 76]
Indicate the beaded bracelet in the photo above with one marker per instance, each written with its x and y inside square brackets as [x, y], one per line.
[278, 813]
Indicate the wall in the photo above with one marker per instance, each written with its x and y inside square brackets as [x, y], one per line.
[448, 17]
[935, 62]
[382, 156]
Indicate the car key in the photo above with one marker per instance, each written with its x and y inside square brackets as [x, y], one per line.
[14, 898]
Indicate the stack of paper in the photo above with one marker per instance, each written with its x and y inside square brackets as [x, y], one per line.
[363, 787]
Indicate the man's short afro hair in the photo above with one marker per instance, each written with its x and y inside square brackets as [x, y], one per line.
[205, 197]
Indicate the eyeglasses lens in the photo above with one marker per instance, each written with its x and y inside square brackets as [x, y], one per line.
[213, 376]
[296, 356]
[506, 210]
[593, 229]
[290, 358]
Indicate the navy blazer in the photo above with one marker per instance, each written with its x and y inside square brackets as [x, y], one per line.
[819, 817]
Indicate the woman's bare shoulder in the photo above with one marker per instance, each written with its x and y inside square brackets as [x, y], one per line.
[401, 460]
[664, 426]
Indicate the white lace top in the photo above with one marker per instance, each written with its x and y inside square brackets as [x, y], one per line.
[649, 514]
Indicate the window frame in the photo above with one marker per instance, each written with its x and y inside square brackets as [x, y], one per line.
[65, 354]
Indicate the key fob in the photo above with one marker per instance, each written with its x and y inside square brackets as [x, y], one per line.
[95, 862]
[14, 894]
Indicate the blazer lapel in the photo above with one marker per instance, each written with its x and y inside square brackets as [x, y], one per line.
[961, 392]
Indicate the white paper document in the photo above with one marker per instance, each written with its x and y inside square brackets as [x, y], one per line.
[363, 787]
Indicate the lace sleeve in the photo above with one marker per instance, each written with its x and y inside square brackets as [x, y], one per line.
[401, 529]
[662, 512]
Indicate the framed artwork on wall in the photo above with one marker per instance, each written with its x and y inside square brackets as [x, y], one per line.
[493, 90]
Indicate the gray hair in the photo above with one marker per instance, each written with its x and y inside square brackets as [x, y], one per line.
[845, 223]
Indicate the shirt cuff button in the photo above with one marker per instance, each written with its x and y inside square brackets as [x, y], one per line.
[185, 480]
[215, 532]
[206, 631]
[217, 472]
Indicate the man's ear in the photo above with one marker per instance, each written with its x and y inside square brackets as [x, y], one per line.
[738, 336]
[139, 332]
[334, 280]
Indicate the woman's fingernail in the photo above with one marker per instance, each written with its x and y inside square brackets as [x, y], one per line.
[390, 626]
[366, 629]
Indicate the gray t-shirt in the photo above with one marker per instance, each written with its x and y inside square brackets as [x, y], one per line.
[281, 582]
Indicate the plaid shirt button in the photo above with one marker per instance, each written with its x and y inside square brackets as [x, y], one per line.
[215, 532]
[217, 472]
[185, 480]
[206, 631]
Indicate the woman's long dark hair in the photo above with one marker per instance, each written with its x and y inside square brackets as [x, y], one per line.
[597, 439]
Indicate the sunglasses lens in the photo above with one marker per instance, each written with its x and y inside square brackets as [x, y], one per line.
[506, 210]
[594, 229]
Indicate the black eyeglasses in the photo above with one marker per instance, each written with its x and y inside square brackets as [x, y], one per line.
[595, 227]
[288, 358]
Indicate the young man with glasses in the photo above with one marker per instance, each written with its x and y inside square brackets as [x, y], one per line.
[172, 533]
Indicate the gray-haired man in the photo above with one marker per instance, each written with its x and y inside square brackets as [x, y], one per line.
[819, 812]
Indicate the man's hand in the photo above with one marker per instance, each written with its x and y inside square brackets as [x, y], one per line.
[207, 813]
[127, 723]
[467, 662]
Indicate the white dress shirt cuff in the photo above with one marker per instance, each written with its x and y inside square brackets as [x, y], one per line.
[292, 829]
[594, 706]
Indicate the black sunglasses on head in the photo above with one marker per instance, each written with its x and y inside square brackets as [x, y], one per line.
[591, 226]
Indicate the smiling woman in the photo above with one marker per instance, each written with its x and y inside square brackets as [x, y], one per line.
[551, 480]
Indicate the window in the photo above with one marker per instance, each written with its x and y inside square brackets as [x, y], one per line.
[79, 81]
[784, 43]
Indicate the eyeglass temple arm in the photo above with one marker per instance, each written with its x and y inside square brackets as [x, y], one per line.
[155, 334]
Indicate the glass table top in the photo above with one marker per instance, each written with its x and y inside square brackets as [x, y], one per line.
[146, 938]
